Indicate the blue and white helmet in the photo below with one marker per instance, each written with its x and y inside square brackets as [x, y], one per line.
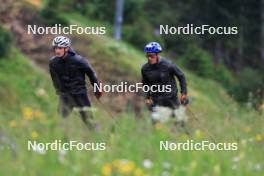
[153, 47]
[61, 41]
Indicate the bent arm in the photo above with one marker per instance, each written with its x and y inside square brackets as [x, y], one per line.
[145, 82]
[180, 76]
[88, 70]
[55, 79]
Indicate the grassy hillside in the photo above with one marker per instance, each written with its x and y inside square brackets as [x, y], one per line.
[28, 112]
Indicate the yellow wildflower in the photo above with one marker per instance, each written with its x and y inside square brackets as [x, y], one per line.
[34, 135]
[198, 134]
[216, 169]
[124, 166]
[13, 123]
[247, 129]
[116, 163]
[258, 137]
[139, 172]
[28, 113]
[158, 126]
[193, 165]
[107, 169]
[127, 168]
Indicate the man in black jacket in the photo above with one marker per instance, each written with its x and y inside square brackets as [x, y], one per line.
[68, 70]
[160, 71]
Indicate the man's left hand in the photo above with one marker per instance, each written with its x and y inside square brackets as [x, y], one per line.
[184, 99]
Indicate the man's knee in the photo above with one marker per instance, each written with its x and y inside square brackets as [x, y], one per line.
[64, 111]
[84, 111]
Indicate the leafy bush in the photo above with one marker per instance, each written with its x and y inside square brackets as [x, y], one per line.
[199, 61]
[5, 42]
[134, 15]
[105, 11]
[51, 15]
[223, 75]
[249, 87]
[139, 36]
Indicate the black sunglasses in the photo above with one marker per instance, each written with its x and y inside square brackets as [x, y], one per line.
[151, 55]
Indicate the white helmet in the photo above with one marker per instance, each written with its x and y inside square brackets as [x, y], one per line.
[61, 41]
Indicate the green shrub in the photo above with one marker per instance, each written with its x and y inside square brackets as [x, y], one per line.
[223, 75]
[50, 14]
[139, 36]
[198, 61]
[5, 42]
[249, 87]
[105, 11]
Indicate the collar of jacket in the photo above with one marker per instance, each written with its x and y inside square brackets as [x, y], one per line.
[71, 51]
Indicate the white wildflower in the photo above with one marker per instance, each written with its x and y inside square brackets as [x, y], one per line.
[41, 92]
[147, 164]
[165, 173]
[258, 167]
[166, 165]
[39, 150]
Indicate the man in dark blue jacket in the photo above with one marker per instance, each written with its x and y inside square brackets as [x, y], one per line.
[160, 71]
[68, 70]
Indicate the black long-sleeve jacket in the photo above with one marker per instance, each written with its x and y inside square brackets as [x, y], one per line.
[163, 73]
[68, 74]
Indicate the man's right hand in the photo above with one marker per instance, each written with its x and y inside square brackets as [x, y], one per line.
[148, 101]
[98, 95]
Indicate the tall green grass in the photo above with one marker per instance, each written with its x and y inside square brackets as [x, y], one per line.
[28, 112]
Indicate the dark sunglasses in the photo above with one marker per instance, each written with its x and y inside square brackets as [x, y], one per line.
[151, 55]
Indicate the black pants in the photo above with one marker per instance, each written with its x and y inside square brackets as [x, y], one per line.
[69, 101]
[171, 102]
[166, 101]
